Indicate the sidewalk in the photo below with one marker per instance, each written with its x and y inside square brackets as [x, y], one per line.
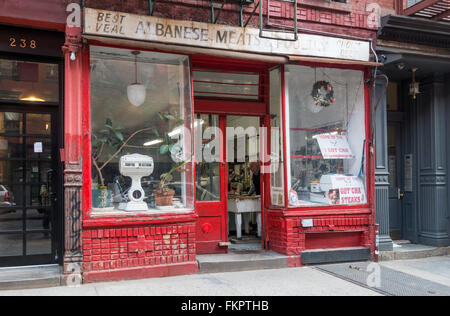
[288, 281]
[417, 277]
[424, 277]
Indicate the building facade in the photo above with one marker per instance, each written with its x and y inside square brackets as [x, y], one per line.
[167, 113]
[412, 145]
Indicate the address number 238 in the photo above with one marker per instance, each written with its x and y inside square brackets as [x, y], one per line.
[22, 43]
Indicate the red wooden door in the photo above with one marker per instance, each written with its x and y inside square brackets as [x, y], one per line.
[211, 180]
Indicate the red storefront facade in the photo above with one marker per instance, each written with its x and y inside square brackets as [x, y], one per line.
[297, 218]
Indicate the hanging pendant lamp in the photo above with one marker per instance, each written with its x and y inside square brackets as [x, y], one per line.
[136, 92]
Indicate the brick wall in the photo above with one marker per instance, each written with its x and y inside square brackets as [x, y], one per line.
[110, 251]
[287, 236]
[322, 15]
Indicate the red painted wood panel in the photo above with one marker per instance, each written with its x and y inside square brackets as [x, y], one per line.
[332, 240]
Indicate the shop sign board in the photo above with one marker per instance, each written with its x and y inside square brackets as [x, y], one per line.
[205, 35]
[334, 146]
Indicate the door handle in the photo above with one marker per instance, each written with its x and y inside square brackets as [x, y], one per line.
[400, 194]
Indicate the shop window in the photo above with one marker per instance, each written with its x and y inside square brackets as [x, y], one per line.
[29, 81]
[276, 140]
[207, 171]
[326, 141]
[141, 139]
[214, 84]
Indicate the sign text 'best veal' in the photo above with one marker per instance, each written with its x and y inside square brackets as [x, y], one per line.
[146, 28]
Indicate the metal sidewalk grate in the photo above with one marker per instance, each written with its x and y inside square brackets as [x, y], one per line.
[393, 282]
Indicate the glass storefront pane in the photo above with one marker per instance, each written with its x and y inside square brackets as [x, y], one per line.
[11, 220]
[11, 171]
[141, 112]
[207, 170]
[39, 219]
[11, 195]
[39, 171]
[39, 124]
[326, 140]
[11, 245]
[38, 195]
[10, 123]
[209, 83]
[39, 148]
[11, 147]
[39, 243]
[28, 81]
[276, 123]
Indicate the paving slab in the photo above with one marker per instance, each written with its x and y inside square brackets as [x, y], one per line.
[30, 277]
[241, 261]
[391, 282]
[286, 282]
[413, 251]
[435, 269]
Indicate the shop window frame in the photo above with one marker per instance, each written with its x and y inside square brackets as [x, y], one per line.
[333, 209]
[93, 219]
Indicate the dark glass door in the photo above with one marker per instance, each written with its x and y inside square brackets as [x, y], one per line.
[396, 191]
[29, 186]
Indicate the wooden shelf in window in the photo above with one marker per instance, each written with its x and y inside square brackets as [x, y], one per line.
[319, 130]
[306, 157]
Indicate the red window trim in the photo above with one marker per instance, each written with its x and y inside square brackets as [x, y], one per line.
[129, 219]
[96, 220]
[368, 154]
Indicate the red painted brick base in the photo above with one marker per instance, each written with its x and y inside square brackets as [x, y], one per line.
[141, 251]
[288, 237]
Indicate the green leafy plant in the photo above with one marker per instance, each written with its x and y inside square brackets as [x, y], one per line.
[171, 149]
[111, 137]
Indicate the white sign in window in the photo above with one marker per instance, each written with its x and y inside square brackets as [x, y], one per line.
[334, 146]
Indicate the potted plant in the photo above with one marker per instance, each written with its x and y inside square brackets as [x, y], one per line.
[164, 193]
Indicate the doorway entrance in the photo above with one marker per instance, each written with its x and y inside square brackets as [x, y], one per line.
[231, 97]
[30, 187]
[228, 183]
[396, 186]
[30, 168]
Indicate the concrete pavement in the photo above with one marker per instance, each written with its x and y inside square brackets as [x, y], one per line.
[434, 269]
[288, 281]
[427, 276]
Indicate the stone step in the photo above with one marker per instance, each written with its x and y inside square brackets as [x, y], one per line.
[30, 277]
[334, 255]
[241, 261]
[413, 251]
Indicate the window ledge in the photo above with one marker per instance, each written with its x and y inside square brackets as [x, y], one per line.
[106, 213]
[122, 218]
[358, 210]
[327, 4]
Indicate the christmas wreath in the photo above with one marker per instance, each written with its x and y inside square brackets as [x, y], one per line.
[323, 93]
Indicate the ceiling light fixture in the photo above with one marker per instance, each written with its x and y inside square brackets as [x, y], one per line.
[414, 88]
[32, 99]
[153, 142]
[136, 92]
